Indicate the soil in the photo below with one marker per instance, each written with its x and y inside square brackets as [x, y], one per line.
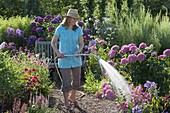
[88, 103]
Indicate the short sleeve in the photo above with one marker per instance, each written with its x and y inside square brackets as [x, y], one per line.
[80, 32]
[57, 31]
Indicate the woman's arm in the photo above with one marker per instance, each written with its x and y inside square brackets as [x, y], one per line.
[53, 44]
[81, 44]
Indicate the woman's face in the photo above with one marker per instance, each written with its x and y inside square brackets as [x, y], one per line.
[73, 20]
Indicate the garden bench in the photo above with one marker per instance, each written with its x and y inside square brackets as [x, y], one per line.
[44, 50]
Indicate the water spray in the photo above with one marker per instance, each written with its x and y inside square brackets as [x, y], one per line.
[118, 82]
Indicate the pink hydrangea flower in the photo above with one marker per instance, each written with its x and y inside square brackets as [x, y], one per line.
[120, 52]
[141, 56]
[125, 48]
[142, 45]
[124, 61]
[106, 88]
[110, 94]
[132, 58]
[153, 54]
[112, 53]
[166, 52]
[104, 84]
[161, 56]
[132, 48]
[115, 47]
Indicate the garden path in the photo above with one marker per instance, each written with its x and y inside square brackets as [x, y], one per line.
[88, 103]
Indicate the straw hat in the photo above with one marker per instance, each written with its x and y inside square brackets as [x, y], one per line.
[73, 13]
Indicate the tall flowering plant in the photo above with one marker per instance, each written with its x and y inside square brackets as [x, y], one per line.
[16, 36]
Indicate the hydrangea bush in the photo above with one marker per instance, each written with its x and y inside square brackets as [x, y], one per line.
[141, 63]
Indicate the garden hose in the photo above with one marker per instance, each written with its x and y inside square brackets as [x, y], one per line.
[55, 63]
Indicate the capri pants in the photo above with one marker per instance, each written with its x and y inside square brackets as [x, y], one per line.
[71, 78]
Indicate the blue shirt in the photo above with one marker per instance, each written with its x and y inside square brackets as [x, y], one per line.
[68, 45]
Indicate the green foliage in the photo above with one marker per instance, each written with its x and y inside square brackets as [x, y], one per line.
[93, 64]
[163, 32]
[92, 84]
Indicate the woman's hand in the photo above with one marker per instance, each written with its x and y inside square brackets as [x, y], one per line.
[60, 55]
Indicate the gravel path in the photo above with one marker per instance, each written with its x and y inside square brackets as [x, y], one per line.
[88, 103]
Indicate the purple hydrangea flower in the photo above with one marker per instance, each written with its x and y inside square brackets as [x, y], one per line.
[110, 94]
[59, 17]
[125, 48]
[141, 56]
[47, 18]
[80, 23]
[124, 61]
[10, 31]
[86, 31]
[166, 52]
[56, 20]
[132, 58]
[142, 45]
[39, 19]
[34, 29]
[112, 53]
[86, 37]
[20, 32]
[40, 39]
[115, 47]
[38, 30]
[32, 38]
[51, 28]
[33, 24]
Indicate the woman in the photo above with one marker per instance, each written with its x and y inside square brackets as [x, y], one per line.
[70, 38]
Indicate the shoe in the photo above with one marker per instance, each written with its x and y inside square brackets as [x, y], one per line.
[69, 108]
[75, 103]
